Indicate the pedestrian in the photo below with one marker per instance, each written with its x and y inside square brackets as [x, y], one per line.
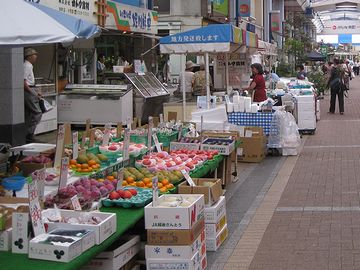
[347, 73]
[33, 111]
[336, 85]
[356, 67]
[199, 84]
[100, 64]
[189, 79]
[301, 74]
[257, 85]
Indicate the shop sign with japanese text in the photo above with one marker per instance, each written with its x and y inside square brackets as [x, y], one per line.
[131, 19]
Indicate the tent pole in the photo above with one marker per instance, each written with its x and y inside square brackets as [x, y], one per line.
[183, 86]
[227, 72]
[207, 79]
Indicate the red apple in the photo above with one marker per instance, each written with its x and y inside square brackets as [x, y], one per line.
[133, 191]
[114, 195]
[127, 194]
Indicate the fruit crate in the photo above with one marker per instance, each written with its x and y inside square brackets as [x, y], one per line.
[166, 139]
[141, 139]
[143, 197]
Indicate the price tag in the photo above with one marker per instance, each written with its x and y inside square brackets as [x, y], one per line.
[83, 140]
[248, 133]
[92, 137]
[87, 129]
[188, 178]
[59, 146]
[76, 203]
[120, 176]
[126, 144]
[106, 137]
[157, 144]
[41, 176]
[155, 190]
[64, 172]
[128, 123]
[161, 120]
[151, 126]
[34, 205]
[75, 142]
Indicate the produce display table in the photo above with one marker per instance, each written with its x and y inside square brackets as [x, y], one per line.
[126, 218]
[259, 119]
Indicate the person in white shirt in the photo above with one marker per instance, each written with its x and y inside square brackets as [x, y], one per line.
[189, 78]
[33, 112]
[356, 67]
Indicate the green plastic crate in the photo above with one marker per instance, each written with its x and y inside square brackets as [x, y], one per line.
[166, 139]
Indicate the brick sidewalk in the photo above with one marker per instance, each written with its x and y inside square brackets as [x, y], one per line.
[310, 218]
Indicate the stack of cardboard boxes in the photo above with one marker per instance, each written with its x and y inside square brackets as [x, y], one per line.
[176, 235]
[215, 211]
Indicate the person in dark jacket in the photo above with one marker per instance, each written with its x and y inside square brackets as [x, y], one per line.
[336, 85]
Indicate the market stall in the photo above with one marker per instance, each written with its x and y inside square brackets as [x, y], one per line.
[212, 39]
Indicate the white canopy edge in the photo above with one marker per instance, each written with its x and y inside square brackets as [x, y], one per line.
[194, 48]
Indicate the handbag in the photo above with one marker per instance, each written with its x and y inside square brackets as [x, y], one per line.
[45, 106]
[335, 83]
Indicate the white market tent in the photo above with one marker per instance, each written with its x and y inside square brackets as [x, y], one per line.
[23, 23]
[215, 38]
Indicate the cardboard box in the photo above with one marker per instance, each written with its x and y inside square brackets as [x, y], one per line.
[175, 237]
[42, 248]
[29, 168]
[102, 231]
[176, 252]
[20, 232]
[174, 218]
[214, 213]
[212, 244]
[211, 194]
[189, 264]
[213, 229]
[222, 149]
[87, 238]
[5, 240]
[253, 146]
[180, 145]
[115, 258]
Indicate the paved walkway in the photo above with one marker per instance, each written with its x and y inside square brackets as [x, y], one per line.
[310, 216]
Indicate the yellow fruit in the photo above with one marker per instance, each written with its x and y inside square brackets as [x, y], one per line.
[160, 185]
[163, 189]
[169, 186]
[124, 183]
[85, 166]
[101, 180]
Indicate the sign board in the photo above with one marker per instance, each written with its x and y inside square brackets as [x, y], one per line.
[188, 178]
[106, 137]
[64, 172]
[120, 177]
[126, 144]
[151, 126]
[59, 146]
[34, 205]
[83, 9]
[131, 19]
[221, 7]
[75, 203]
[157, 144]
[244, 8]
[41, 176]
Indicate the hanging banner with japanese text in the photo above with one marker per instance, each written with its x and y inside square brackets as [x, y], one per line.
[221, 7]
[275, 21]
[131, 19]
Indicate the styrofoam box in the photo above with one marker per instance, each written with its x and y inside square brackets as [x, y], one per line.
[174, 218]
[218, 114]
[87, 241]
[59, 252]
[214, 213]
[220, 125]
[180, 145]
[212, 229]
[176, 252]
[306, 106]
[102, 231]
[171, 264]
[212, 244]
[222, 149]
[305, 99]
[117, 258]
[5, 240]
[20, 233]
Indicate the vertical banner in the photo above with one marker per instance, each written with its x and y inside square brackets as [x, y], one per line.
[221, 7]
[275, 21]
[244, 8]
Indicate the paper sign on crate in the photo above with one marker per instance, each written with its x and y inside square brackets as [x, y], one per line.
[34, 206]
[64, 172]
[75, 143]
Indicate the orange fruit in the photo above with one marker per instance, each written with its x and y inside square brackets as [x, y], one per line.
[133, 184]
[78, 165]
[110, 177]
[101, 180]
[163, 189]
[169, 186]
[160, 185]
[149, 185]
[85, 166]
[92, 162]
[85, 170]
[165, 182]
[140, 184]
[124, 183]
[94, 167]
[130, 179]
[73, 167]
[147, 180]
[73, 162]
